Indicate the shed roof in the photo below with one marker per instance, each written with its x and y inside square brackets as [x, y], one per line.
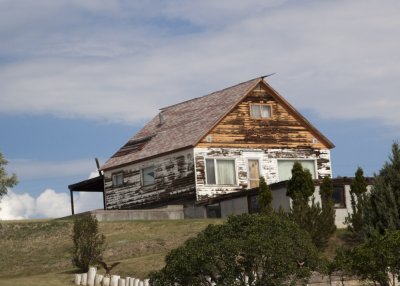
[186, 123]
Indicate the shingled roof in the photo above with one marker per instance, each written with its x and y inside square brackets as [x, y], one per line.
[186, 123]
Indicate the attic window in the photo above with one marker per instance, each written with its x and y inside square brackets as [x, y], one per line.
[260, 111]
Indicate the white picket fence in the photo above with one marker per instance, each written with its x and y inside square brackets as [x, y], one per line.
[93, 279]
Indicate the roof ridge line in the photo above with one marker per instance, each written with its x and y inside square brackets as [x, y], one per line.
[196, 98]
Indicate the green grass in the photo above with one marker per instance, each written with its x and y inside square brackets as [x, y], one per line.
[38, 252]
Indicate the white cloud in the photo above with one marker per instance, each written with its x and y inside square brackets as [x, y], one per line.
[52, 204]
[339, 58]
[87, 201]
[49, 204]
[15, 206]
[93, 174]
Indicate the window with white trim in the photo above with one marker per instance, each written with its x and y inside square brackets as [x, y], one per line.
[220, 172]
[260, 111]
[118, 180]
[148, 176]
[285, 168]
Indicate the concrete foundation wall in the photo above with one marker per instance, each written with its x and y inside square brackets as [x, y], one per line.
[169, 212]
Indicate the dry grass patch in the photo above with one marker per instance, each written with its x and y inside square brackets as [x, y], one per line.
[37, 250]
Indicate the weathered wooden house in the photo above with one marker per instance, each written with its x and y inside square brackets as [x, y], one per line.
[211, 145]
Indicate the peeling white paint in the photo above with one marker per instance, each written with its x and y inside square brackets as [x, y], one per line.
[268, 160]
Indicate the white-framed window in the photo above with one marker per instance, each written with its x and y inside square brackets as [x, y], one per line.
[118, 179]
[285, 168]
[260, 111]
[220, 172]
[148, 176]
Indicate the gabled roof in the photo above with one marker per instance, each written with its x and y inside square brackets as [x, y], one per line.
[186, 123]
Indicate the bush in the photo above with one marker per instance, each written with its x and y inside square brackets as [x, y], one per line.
[89, 244]
[247, 250]
[265, 197]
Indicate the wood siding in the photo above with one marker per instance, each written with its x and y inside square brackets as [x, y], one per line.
[174, 182]
[268, 162]
[282, 130]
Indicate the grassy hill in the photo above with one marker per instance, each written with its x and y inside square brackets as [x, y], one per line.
[38, 252]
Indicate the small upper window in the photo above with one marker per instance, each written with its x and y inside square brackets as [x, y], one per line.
[118, 180]
[260, 110]
[148, 176]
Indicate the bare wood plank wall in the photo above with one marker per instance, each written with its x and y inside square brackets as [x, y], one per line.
[238, 129]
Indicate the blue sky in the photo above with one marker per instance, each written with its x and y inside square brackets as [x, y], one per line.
[78, 78]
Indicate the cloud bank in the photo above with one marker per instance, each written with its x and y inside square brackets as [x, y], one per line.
[31, 169]
[49, 204]
[121, 61]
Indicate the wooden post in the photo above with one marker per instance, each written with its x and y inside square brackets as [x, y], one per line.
[84, 279]
[72, 201]
[98, 280]
[91, 276]
[104, 201]
[78, 279]
[114, 280]
[106, 281]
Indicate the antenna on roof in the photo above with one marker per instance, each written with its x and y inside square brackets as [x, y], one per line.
[98, 166]
[264, 76]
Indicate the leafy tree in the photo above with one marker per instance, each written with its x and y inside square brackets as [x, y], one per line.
[340, 265]
[6, 181]
[375, 259]
[359, 199]
[89, 244]
[265, 197]
[254, 249]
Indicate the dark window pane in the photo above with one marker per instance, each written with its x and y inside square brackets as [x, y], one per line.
[254, 206]
[339, 197]
[213, 211]
[210, 172]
